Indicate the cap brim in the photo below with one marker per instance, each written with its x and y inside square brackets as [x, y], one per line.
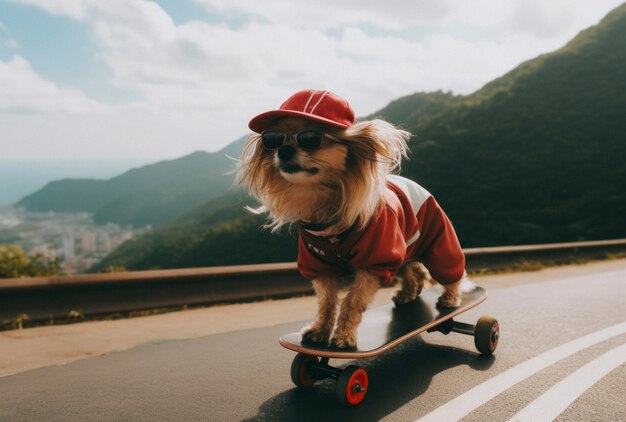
[264, 120]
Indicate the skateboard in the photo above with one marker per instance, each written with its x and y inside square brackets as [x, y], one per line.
[381, 329]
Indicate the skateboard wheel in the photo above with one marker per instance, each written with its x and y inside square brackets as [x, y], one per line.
[486, 334]
[299, 371]
[352, 385]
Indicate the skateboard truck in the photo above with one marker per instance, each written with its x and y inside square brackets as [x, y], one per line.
[486, 332]
[451, 325]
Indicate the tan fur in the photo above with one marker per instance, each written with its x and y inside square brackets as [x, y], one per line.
[362, 291]
[326, 291]
[451, 296]
[342, 185]
[412, 277]
[350, 184]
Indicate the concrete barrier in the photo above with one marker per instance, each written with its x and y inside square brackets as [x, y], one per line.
[53, 298]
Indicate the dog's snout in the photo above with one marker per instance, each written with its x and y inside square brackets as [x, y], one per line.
[286, 152]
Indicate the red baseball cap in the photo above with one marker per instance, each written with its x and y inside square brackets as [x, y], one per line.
[317, 105]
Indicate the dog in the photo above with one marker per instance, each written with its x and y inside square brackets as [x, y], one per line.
[311, 165]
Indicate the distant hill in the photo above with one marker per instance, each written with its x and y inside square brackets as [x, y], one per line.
[152, 194]
[219, 232]
[537, 155]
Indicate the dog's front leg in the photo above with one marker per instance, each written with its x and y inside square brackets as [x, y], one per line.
[326, 292]
[354, 304]
[451, 296]
[413, 275]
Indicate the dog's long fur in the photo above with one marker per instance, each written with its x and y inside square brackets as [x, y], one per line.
[342, 185]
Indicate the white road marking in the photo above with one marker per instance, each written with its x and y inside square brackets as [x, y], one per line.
[554, 401]
[460, 406]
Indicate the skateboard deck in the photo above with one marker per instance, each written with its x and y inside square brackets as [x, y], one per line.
[387, 326]
[381, 329]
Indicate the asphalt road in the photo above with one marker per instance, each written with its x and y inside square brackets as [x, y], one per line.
[561, 355]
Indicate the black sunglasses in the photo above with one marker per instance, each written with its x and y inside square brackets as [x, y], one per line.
[308, 139]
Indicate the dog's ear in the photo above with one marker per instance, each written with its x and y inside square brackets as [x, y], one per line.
[379, 143]
[253, 171]
[375, 150]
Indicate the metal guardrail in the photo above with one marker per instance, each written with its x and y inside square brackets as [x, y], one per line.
[53, 298]
[501, 257]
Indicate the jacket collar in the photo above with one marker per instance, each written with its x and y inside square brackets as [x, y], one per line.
[323, 230]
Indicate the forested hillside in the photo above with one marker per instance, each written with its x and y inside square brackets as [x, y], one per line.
[537, 155]
[153, 194]
[217, 233]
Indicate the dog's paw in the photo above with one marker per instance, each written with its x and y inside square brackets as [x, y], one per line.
[315, 335]
[344, 340]
[403, 296]
[449, 300]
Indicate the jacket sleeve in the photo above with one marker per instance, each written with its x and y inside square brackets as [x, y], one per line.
[381, 250]
[441, 251]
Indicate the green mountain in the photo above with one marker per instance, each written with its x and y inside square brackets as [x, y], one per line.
[152, 194]
[537, 155]
[219, 232]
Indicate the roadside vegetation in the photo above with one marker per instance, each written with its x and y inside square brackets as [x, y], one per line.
[14, 263]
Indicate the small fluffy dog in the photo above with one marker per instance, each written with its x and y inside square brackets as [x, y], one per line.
[309, 164]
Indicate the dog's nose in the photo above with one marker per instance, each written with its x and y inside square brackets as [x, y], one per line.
[286, 152]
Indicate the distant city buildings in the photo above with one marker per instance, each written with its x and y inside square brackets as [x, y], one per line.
[71, 237]
[68, 243]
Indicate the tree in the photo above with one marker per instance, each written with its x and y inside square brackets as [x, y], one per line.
[14, 262]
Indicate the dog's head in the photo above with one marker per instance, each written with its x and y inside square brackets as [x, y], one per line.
[304, 170]
[301, 152]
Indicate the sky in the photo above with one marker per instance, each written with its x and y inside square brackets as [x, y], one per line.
[141, 80]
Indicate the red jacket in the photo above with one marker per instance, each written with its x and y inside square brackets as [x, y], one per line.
[411, 226]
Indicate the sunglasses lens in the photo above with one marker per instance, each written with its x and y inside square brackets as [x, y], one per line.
[310, 139]
[272, 140]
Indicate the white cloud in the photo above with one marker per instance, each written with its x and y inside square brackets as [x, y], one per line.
[23, 91]
[199, 83]
[533, 16]
[324, 14]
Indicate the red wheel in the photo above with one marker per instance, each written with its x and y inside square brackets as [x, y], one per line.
[486, 335]
[299, 372]
[352, 385]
